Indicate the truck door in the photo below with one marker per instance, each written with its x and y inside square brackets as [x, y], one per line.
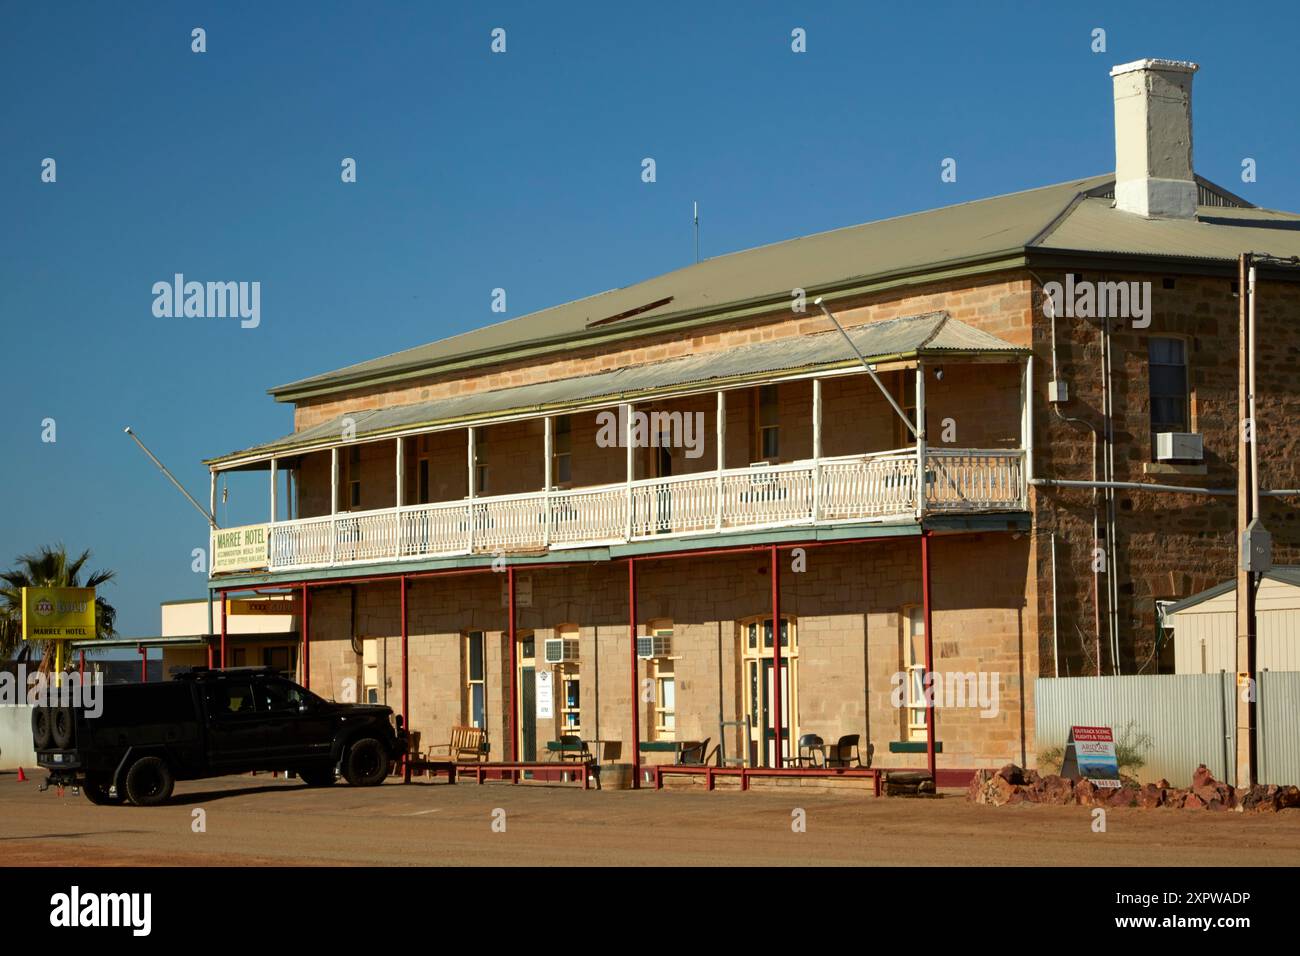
[296, 728]
[237, 737]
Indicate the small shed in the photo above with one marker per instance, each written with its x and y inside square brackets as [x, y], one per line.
[1205, 626]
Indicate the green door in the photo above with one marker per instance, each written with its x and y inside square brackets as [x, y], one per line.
[528, 713]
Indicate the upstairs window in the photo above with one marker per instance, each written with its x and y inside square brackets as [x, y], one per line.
[562, 459]
[767, 427]
[1170, 399]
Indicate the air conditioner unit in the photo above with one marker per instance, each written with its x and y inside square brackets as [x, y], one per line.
[656, 645]
[561, 650]
[1179, 446]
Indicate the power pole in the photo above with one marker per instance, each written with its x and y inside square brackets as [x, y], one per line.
[1253, 544]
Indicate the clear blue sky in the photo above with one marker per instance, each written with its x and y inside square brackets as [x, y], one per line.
[476, 171]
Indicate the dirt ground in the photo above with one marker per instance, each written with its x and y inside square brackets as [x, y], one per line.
[260, 820]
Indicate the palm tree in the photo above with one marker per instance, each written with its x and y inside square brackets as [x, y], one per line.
[47, 568]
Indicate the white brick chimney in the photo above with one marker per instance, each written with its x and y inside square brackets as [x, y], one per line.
[1153, 139]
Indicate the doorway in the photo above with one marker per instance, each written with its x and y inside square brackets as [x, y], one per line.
[758, 657]
[526, 717]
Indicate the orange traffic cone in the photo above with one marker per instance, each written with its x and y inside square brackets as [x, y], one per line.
[22, 777]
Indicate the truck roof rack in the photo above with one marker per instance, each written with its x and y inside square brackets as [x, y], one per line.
[210, 673]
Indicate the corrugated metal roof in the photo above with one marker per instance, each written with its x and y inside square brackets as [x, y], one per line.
[1217, 233]
[985, 228]
[1288, 574]
[930, 333]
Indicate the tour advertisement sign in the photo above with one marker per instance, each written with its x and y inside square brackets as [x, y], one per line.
[1090, 753]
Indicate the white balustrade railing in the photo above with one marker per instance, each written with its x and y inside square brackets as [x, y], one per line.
[855, 488]
[971, 480]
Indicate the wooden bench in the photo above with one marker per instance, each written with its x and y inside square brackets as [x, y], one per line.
[467, 745]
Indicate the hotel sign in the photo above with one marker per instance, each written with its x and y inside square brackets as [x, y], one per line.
[58, 614]
[240, 549]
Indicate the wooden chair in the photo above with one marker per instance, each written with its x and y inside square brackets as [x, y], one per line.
[467, 745]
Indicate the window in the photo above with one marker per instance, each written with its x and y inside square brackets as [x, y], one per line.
[354, 477]
[907, 402]
[230, 697]
[753, 627]
[914, 665]
[422, 482]
[1167, 360]
[480, 466]
[562, 458]
[665, 682]
[370, 671]
[570, 686]
[767, 428]
[475, 685]
[280, 697]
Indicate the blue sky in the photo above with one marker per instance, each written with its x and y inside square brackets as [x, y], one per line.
[478, 171]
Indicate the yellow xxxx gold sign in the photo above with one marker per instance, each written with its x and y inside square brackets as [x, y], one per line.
[58, 614]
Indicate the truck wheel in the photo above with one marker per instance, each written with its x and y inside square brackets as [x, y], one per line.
[366, 763]
[96, 790]
[317, 777]
[62, 724]
[41, 728]
[149, 782]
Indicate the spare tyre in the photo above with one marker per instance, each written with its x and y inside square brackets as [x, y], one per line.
[62, 727]
[41, 730]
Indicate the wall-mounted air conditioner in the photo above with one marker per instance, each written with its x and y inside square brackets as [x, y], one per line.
[1179, 446]
[561, 650]
[656, 645]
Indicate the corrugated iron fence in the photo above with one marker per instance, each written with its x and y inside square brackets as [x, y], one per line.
[1189, 719]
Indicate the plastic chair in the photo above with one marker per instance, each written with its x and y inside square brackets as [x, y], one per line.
[693, 752]
[815, 747]
[844, 752]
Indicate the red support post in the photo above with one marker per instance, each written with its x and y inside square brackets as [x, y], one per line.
[776, 654]
[144, 663]
[81, 665]
[222, 596]
[406, 685]
[929, 655]
[514, 665]
[636, 689]
[306, 637]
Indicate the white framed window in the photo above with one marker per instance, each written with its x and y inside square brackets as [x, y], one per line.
[568, 682]
[475, 680]
[914, 707]
[662, 673]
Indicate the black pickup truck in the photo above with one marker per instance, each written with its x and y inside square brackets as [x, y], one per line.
[206, 723]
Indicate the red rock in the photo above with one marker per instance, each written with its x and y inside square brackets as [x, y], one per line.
[1012, 774]
[1123, 797]
[1164, 784]
[1085, 793]
[1193, 802]
[1175, 798]
[999, 791]
[1150, 797]
[1202, 777]
[1288, 798]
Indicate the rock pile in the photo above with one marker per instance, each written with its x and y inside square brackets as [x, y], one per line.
[1012, 785]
